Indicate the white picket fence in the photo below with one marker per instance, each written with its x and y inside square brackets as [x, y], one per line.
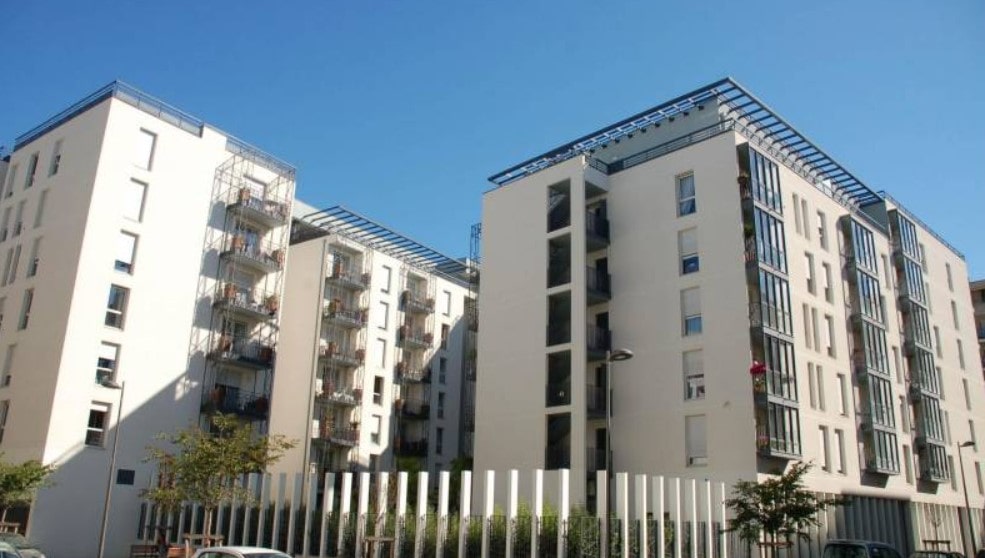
[341, 515]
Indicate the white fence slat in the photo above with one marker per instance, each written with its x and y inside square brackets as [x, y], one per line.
[564, 511]
[362, 510]
[622, 503]
[444, 484]
[536, 513]
[678, 526]
[488, 501]
[327, 505]
[292, 506]
[311, 493]
[641, 514]
[465, 511]
[345, 508]
[659, 502]
[401, 510]
[512, 502]
[421, 512]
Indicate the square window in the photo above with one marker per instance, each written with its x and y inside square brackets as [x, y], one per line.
[133, 200]
[144, 146]
[126, 249]
[691, 311]
[109, 353]
[117, 305]
[686, 200]
[96, 427]
[690, 264]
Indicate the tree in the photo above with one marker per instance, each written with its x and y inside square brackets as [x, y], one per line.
[205, 467]
[780, 508]
[19, 483]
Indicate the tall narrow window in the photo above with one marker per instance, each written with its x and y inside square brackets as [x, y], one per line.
[39, 214]
[381, 348]
[109, 353]
[441, 404]
[26, 309]
[4, 411]
[829, 341]
[971, 432]
[820, 387]
[117, 306]
[907, 464]
[807, 326]
[134, 197]
[96, 427]
[442, 370]
[691, 310]
[378, 390]
[143, 149]
[812, 385]
[439, 443]
[806, 217]
[5, 224]
[796, 214]
[694, 375]
[686, 200]
[56, 159]
[8, 365]
[387, 277]
[822, 229]
[687, 242]
[839, 453]
[35, 260]
[3, 305]
[126, 248]
[826, 282]
[842, 395]
[19, 218]
[9, 190]
[954, 315]
[445, 331]
[6, 267]
[384, 315]
[809, 271]
[967, 395]
[695, 440]
[32, 171]
[447, 302]
[937, 341]
[824, 452]
[950, 280]
[978, 468]
[815, 330]
[960, 354]
[13, 266]
[376, 427]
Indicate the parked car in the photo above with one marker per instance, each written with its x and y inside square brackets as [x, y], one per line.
[25, 548]
[936, 554]
[238, 552]
[859, 549]
[7, 550]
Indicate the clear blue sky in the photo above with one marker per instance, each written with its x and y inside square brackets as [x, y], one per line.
[401, 109]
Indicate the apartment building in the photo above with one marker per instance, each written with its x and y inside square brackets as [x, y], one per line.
[142, 253]
[978, 300]
[371, 360]
[777, 309]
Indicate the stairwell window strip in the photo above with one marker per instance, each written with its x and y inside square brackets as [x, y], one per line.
[686, 199]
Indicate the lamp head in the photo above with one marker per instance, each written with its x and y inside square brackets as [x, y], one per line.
[110, 384]
[968, 444]
[620, 354]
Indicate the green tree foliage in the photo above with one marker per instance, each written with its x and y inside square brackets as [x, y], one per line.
[780, 508]
[19, 482]
[208, 467]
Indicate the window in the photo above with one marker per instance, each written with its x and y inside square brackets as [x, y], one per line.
[822, 229]
[960, 354]
[937, 341]
[829, 340]
[954, 315]
[381, 348]
[10, 182]
[439, 443]
[445, 330]
[967, 395]
[903, 414]
[96, 429]
[376, 427]
[56, 159]
[8, 365]
[907, 464]
[842, 395]
[807, 326]
[898, 364]
[441, 404]
[26, 309]
[824, 453]
[384, 315]
[796, 213]
[35, 261]
[691, 310]
[839, 453]
[133, 200]
[14, 264]
[143, 149]
[887, 274]
[806, 217]
[5, 224]
[447, 300]
[126, 247]
[32, 170]
[812, 385]
[3, 304]
[695, 440]
[819, 382]
[826, 282]
[4, 411]
[694, 375]
[971, 433]
[814, 330]
[809, 270]
[19, 219]
[106, 362]
[687, 243]
[117, 306]
[923, 257]
[950, 280]
[387, 277]
[950, 467]
[978, 464]
[442, 370]
[39, 214]
[378, 390]
[686, 203]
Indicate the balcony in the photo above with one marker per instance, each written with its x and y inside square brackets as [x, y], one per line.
[408, 374]
[241, 303]
[415, 338]
[252, 257]
[348, 279]
[243, 353]
[595, 403]
[596, 231]
[881, 465]
[878, 418]
[415, 448]
[595, 459]
[933, 463]
[413, 409]
[266, 212]
[341, 436]
[335, 314]
[342, 396]
[770, 445]
[416, 303]
[598, 342]
[777, 320]
[557, 457]
[332, 354]
[597, 286]
[232, 401]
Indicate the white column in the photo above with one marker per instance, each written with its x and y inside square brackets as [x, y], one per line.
[658, 504]
[278, 502]
[398, 534]
[327, 506]
[292, 505]
[421, 512]
[488, 508]
[563, 512]
[465, 511]
[511, 509]
[345, 508]
[710, 521]
[382, 490]
[537, 513]
[444, 478]
[678, 527]
[602, 508]
[695, 503]
[233, 505]
[311, 486]
[723, 535]
[362, 510]
[641, 509]
[622, 503]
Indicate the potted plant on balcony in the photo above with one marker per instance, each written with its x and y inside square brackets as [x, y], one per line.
[758, 373]
[332, 348]
[401, 367]
[361, 355]
[428, 338]
[225, 343]
[365, 277]
[272, 303]
[279, 256]
[266, 354]
[239, 242]
[229, 291]
[244, 195]
[404, 331]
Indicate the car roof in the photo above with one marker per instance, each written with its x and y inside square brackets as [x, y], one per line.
[239, 549]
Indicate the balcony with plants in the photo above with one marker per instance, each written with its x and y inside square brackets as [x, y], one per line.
[348, 275]
[415, 337]
[265, 209]
[341, 353]
[250, 304]
[416, 301]
[413, 408]
[336, 312]
[242, 352]
[250, 252]
[342, 395]
[411, 372]
[231, 400]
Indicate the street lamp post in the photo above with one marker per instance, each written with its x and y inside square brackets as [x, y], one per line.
[112, 463]
[610, 357]
[967, 505]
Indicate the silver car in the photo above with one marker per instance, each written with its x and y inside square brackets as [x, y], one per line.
[238, 552]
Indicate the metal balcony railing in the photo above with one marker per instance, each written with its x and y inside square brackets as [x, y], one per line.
[598, 284]
[557, 457]
[414, 448]
[266, 211]
[414, 409]
[341, 395]
[244, 351]
[417, 303]
[598, 339]
[413, 374]
[254, 256]
[351, 279]
[415, 337]
[596, 230]
[595, 401]
[351, 318]
[229, 400]
[341, 436]
[335, 354]
[595, 459]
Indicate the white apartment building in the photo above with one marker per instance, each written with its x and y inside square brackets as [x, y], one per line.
[141, 249]
[372, 354]
[778, 308]
[978, 300]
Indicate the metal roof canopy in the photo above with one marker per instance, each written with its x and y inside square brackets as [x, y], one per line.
[744, 108]
[340, 220]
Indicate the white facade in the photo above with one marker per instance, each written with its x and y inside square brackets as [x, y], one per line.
[370, 360]
[640, 237]
[141, 206]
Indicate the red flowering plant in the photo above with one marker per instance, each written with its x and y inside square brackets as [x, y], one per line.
[758, 372]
